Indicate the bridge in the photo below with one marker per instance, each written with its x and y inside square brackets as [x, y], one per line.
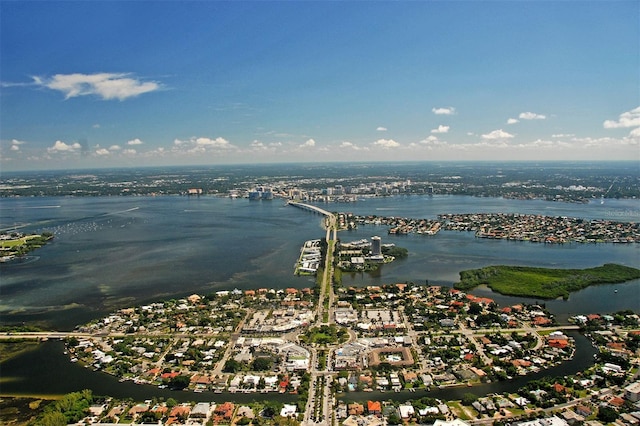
[330, 218]
[309, 207]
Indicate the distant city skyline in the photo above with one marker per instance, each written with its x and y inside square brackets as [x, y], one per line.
[131, 84]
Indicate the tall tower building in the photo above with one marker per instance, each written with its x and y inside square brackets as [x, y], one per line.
[376, 246]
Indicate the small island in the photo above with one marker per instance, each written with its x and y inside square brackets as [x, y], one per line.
[16, 244]
[544, 283]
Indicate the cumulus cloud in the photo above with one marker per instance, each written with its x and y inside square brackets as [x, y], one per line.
[131, 151]
[497, 135]
[531, 116]
[308, 144]
[626, 119]
[15, 145]
[135, 141]
[386, 143]
[115, 148]
[635, 133]
[513, 121]
[562, 135]
[381, 129]
[215, 143]
[199, 145]
[60, 146]
[441, 129]
[350, 145]
[104, 85]
[444, 111]
[102, 152]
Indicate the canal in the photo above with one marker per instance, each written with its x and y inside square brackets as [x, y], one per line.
[48, 371]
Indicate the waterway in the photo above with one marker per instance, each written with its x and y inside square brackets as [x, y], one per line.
[114, 252]
[582, 360]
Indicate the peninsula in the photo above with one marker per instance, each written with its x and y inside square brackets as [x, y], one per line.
[543, 282]
[16, 244]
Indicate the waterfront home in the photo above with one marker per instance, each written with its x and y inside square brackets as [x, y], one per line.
[289, 410]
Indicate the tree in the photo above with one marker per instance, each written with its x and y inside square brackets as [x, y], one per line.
[394, 419]
[607, 414]
[179, 382]
[231, 366]
[53, 418]
[261, 364]
[469, 398]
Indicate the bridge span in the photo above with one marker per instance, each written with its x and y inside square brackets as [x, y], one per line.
[309, 207]
[331, 223]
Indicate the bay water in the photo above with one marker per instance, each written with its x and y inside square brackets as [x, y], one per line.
[114, 252]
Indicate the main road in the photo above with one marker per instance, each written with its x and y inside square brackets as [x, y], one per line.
[324, 376]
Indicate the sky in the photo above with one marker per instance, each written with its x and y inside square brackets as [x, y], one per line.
[143, 83]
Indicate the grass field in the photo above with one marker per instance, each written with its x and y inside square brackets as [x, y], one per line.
[545, 283]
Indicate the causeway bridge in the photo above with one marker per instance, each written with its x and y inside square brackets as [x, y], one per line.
[310, 208]
[330, 218]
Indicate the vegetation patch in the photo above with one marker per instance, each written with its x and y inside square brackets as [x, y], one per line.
[544, 283]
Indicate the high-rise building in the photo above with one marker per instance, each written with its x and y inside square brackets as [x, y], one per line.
[376, 246]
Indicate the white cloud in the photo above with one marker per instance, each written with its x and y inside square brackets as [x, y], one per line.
[215, 143]
[350, 145]
[441, 129]
[496, 135]
[60, 146]
[531, 116]
[201, 145]
[102, 152]
[104, 85]
[308, 144]
[386, 143]
[513, 121]
[96, 126]
[114, 148]
[626, 119]
[15, 145]
[381, 129]
[562, 135]
[131, 151]
[444, 111]
[433, 142]
[135, 141]
[635, 133]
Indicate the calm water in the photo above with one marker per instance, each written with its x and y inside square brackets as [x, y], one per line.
[114, 252]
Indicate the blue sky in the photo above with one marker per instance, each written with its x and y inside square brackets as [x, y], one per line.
[142, 83]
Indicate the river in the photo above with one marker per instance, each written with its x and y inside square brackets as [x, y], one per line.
[114, 252]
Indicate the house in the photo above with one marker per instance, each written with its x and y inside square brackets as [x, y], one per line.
[200, 410]
[541, 321]
[406, 411]
[374, 407]
[558, 387]
[355, 409]
[616, 402]
[288, 410]
[225, 411]
[179, 411]
[245, 411]
[557, 343]
[583, 410]
[138, 408]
